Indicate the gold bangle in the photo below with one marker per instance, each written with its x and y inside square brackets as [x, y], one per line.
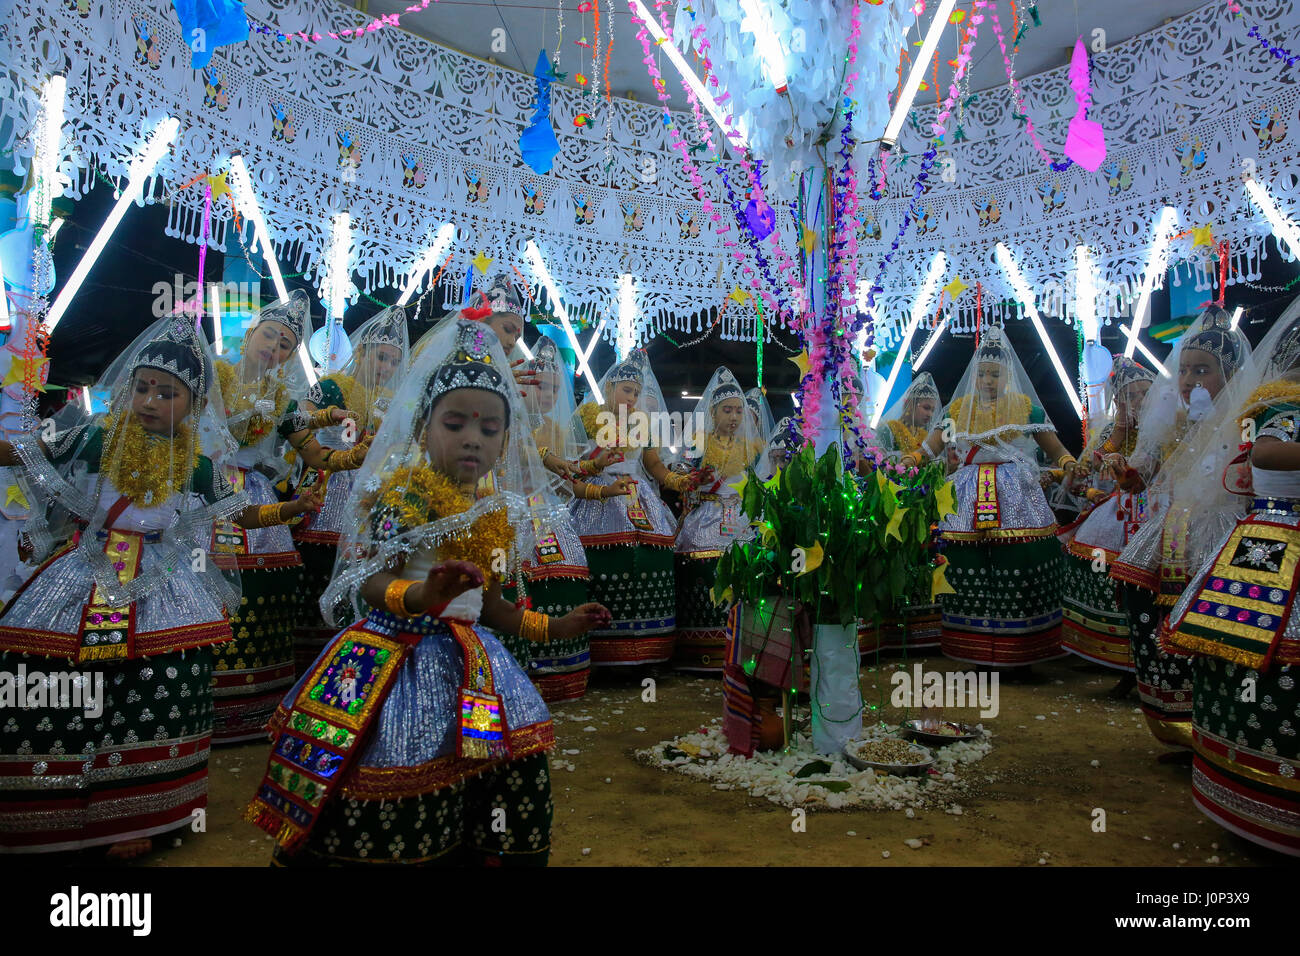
[541, 452]
[535, 627]
[587, 467]
[322, 417]
[395, 596]
[1066, 459]
[268, 516]
[592, 492]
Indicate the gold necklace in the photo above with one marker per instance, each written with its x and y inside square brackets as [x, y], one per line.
[240, 397]
[131, 461]
[417, 495]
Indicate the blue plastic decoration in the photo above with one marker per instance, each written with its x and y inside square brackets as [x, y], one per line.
[760, 218]
[208, 24]
[537, 143]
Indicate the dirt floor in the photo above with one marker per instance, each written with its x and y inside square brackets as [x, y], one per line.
[1037, 809]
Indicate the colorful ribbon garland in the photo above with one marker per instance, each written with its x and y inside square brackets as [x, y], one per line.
[387, 20]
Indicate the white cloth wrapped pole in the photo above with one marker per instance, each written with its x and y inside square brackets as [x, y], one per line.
[836, 695]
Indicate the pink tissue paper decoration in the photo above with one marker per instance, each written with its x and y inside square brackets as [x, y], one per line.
[1085, 143]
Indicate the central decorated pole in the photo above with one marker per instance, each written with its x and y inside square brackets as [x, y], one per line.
[836, 695]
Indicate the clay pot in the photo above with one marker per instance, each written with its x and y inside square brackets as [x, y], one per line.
[771, 735]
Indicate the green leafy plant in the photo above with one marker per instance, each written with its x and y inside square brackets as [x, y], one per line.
[846, 547]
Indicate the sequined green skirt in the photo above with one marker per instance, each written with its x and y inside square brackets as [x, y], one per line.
[558, 668]
[701, 625]
[636, 583]
[253, 671]
[71, 780]
[499, 818]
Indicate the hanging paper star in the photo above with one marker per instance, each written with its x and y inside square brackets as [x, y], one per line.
[813, 557]
[939, 582]
[219, 186]
[943, 499]
[481, 262]
[773, 483]
[739, 296]
[955, 288]
[14, 495]
[801, 360]
[17, 373]
[739, 486]
[894, 522]
[808, 240]
[1202, 235]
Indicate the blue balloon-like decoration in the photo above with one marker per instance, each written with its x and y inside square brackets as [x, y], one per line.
[208, 24]
[537, 143]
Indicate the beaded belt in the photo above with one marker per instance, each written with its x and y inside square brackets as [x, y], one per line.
[1277, 506]
[151, 537]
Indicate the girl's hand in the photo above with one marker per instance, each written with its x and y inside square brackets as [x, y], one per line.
[565, 469]
[606, 457]
[340, 415]
[699, 477]
[311, 502]
[580, 620]
[621, 486]
[445, 582]
[524, 376]
[1116, 464]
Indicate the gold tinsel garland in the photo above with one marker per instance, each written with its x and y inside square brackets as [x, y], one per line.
[418, 495]
[257, 426]
[906, 439]
[1269, 395]
[130, 460]
[729, 459]
[1010, 409]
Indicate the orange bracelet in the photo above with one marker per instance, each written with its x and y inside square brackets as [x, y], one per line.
[395, 596]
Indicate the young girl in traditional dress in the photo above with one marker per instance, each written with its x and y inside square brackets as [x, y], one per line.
[909, 422]
[626, 529]
[124, 605]
[365, 386]
[917, 623]
[258, 384]
[415, 737]
[1154, 564]
[555, 572]
[499, 305]
[1004, 559]
[714, 520]
[1237, 615]
[1094, 625]
[781, 447]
